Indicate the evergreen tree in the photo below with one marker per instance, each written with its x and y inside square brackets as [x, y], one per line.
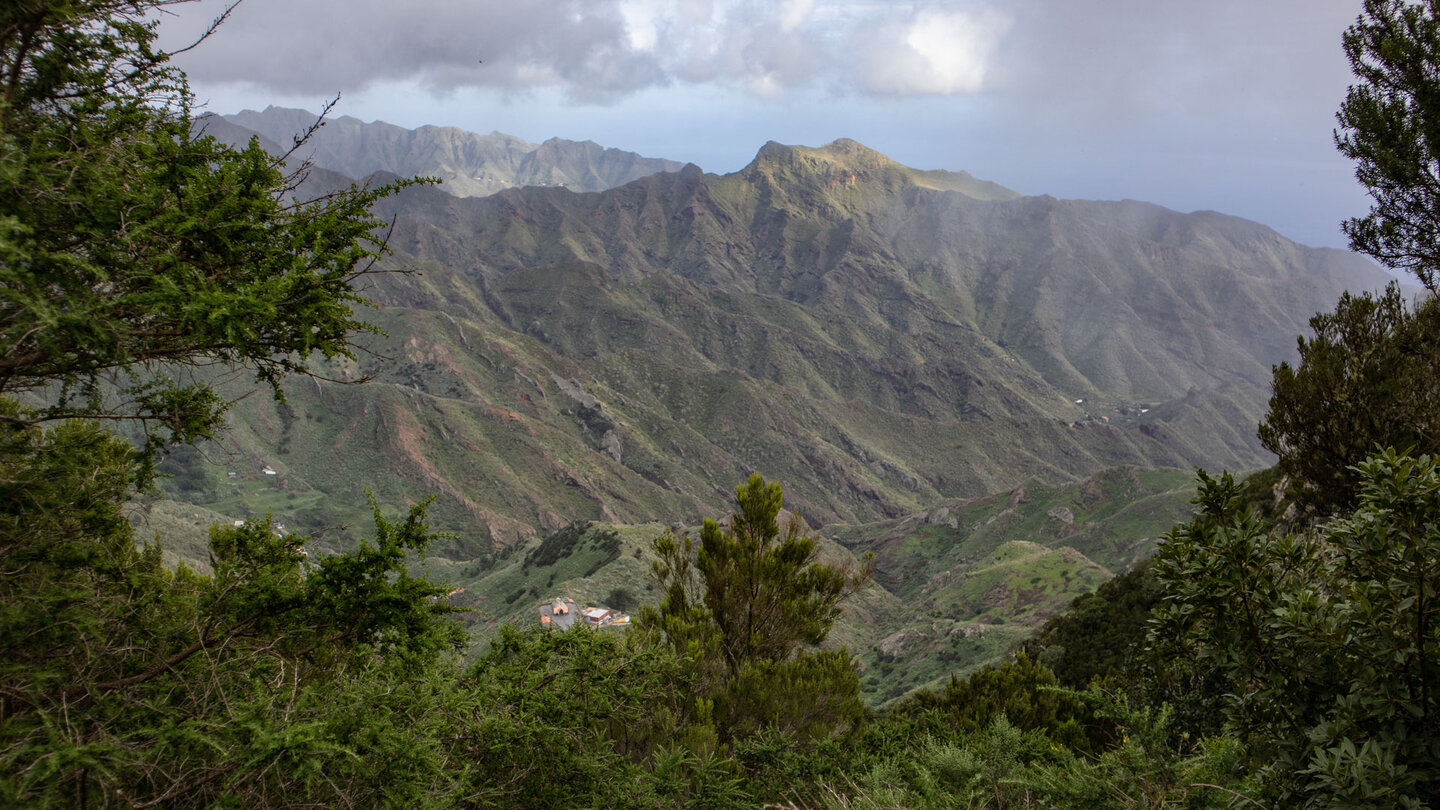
[1024, 692]
[131, 250]
[1389, 124]
[748, 605]
[1369, 378]
[1326, 640]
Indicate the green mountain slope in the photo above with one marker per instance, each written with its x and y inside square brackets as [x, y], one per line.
[972, 577]
[893, 346]
[878, 339]
[953, 589]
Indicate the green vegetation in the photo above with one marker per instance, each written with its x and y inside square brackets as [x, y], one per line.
[129, 245]
[563, 543]
[1326, 641]
[599, 562]
[880, 346]
[748, 605]
[1369, 378]
[1102, 632]
[960, 592]
[1267, 657]
[1388, 127]
[129, 253]
[1021, 691]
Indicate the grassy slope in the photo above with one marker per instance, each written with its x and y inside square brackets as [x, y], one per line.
[971, 578]
[946, 598]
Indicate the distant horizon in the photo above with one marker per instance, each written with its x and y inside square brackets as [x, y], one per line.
[1225, 106]
[336, 113]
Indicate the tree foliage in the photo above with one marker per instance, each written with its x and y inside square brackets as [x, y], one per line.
[554, 719]
[748, 605]
[131, 248]
[1369, 378]
[1099, 634]
[132, 251]
[1388, 125]
[1327, 640]
[119, 677]
[1024, 692]
[765, 591]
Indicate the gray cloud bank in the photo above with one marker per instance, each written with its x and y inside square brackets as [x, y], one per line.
[1122, 52]
[1223, 104]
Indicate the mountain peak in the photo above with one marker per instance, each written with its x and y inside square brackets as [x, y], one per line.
[845, 161]
[839, 154]
[848, 150]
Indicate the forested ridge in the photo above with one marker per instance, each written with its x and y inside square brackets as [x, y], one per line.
[1281, 650]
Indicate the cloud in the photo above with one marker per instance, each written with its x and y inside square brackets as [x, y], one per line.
[931, 51]
[593, 50]
[1105, 58]
[324, 46]
[1128, 59]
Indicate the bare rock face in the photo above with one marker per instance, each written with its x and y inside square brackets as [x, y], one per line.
[610, 445]
[942, 517]
[897, 643]
[592, 415]
[1091, 491]
[1062, 521]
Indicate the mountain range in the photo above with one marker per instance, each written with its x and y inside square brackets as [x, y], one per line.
[468, 164]
[1000, 395]
[875, 337]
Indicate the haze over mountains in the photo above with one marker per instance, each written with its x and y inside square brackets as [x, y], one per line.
[876, 337]
[470, 165]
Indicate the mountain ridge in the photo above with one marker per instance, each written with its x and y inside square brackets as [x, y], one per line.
[875, 344]
[467, 164]
[1001, 396]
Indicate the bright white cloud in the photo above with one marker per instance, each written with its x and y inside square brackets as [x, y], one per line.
[932, 52]
[794, 13]
[641, 23]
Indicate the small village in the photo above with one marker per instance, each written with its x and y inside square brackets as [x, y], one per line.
[562, 613]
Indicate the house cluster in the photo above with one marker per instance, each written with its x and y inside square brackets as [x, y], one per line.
[1126, 411]
[277, 528]
[563, 613]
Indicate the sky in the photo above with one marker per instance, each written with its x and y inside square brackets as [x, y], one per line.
[1223, 105]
